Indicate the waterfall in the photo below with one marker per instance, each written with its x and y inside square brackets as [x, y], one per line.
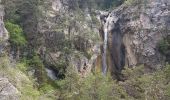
[104, 55]
[112, 35]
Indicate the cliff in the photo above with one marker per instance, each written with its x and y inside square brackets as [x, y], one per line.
[69, 33]
[78, 50]
[134, 33]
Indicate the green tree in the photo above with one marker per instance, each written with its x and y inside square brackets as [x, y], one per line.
[16, 34]
[36, 63]
[17, 38]
[164, 47]
[11, 10]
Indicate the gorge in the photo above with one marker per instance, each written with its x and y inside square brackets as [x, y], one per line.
[84, 49]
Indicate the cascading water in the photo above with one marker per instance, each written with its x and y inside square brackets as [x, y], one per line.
[50, 74]
[112, 42]
[104, 67]
[104, 58]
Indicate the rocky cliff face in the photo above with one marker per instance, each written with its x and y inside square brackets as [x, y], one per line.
[134, 32]
[130, 34]
[64, 33]
[67, 33]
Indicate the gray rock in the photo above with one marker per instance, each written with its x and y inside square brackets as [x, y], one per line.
[60, 21]
[3, 32]
[8, 91]
[142, 27]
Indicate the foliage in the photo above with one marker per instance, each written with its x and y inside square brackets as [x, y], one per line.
[137, 86]
[112, 3]
[16, 34]
[130, 2]
[164, 45]
[25, 14]
[20, 80]
[45, 88]
[135, 2]
[11, 10]
[149, 86]
[105, 4]
[36, 63]
[23, 66]
[97, 4]
[92, 87]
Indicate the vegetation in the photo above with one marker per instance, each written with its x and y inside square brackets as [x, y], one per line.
[92, 87]
[23, 82]
[28, 72]
[137, 85]
[17, 38]
[104, 4]
[16, 34]
[135, 2]
[164, 47]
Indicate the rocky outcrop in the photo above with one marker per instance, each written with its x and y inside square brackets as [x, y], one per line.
[7, 90]
[135, 31]
[3, 32]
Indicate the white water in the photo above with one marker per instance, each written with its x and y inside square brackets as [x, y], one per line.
[50, 74]
[104, 56]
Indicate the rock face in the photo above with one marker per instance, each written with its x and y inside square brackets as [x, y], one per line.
[65, 26]
[3, 32]
[7, 90]
[134, 32]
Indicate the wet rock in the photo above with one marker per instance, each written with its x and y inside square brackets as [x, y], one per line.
[141, 27]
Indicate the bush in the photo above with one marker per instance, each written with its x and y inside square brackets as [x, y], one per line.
[135, 2]
[92, 87]
[36, 63]
[16, 34]
[129, 2]
[164, 46]
[23, 83]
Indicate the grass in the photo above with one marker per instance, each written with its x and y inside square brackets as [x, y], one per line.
[22, 82]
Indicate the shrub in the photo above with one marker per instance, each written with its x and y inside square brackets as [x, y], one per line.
[23, 83]
[164, 45]
[129, 2]
[16, 34]
[135, 2]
